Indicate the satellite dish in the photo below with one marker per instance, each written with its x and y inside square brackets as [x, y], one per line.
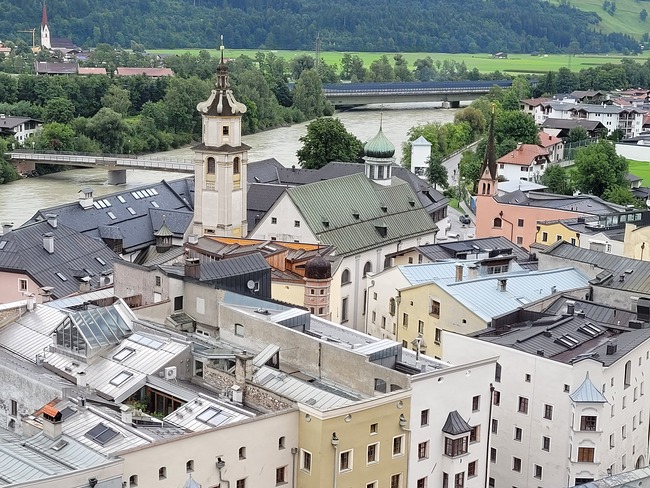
[250, 285]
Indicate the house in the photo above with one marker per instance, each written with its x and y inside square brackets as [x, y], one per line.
[500, 55]
[46, 259]
[628, 120]
[148, 72]
[553, 144]
[20, 128]
[526, 162]
[54, 68]
[530, 106]
[420, 154]
[594, 128]
[568, 399]
[597, 97]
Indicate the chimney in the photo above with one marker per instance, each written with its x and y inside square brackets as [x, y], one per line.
[52, 220]
[472, 271]
[52, 424]
[570, 307]
[540, 352]
[48, 242]
[459, 272]
[193, 239]
[193, 268]
[84, 286]
[243, 368]
[30, 302]
[46, 294]
[611, 348]
[502, 284]
[127, 414]
[6, 227]
[86, 198]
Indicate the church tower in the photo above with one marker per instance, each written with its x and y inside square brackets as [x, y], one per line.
[378, 157]
[45, 30]
[487, 184]
[220, 163]
[318, 280]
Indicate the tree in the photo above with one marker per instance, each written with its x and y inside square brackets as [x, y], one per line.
[474, 118]
[643, 15]
[308, 95]
[469, 168]
[577, 134]
[516, 126]
[117, 99]
[328, 140]
[58, 109]
[7, 171]
[300, 64]
[598, 168]
[108, 128]
[55, 136]
[556, 179]
[621, 195]
[381, 70]
[436, 172]
[402, 71]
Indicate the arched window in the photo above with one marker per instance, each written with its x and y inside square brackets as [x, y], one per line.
[235, 166]
[367, 268]
[345, 277]
[211, 166]
[391, 306]
[497, 223]
[628, 374]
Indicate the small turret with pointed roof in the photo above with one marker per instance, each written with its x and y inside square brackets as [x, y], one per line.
[45, 30]
[489, 177]
[378, 155]
[163, 237]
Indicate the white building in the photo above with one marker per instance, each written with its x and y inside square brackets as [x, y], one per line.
[569, 402]
[420, 153]
[526, 162]
[19, 127]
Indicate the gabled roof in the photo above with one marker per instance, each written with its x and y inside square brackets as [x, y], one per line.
[421, 141]
[43, 67]
[356, 207]
[524, 155]
[447, 250]
[8, 122]
[534, 102]
[586, 204]
[548, 140]
[235, 266]
[92, 71]
[589, 125]
[587, 393]
[455, 424]
[152, 72]
[75, 256]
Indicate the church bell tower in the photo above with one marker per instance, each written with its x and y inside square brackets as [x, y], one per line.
[220, 162]
[45, 30]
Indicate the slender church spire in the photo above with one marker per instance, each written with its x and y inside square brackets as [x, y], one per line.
[44, 18]
[490, 159]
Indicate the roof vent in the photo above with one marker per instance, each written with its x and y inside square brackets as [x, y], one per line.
[611, 348]
[547, 334]
[580, 313]
[384, 208]
[635, 324]
[540, 352]
[355, 214]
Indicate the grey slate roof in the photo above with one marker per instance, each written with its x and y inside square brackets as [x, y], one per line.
[75, 255]
[568, 124]
[338, 199]
[587, 393]
[174, 199]
[235, 266]
[261, 198]
[587, 204]
[8, 122]
[455, 424]
[637, 280]
[449, 250]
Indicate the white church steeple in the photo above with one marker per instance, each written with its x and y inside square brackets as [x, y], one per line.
[45, 30]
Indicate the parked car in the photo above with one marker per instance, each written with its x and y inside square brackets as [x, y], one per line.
[464, 219]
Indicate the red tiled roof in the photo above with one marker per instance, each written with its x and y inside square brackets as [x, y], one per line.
[92, 71]
[153, 72]
[524, 155]
[50, 410]
[547, 140]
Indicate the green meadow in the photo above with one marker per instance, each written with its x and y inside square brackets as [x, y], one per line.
[640, 169]
[485, 63]
[626, 18]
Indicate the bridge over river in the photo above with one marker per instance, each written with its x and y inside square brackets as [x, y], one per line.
[451, 93]
[116, 164]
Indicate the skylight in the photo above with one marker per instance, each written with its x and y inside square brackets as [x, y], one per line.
[153, 190]
[131, 211]
[100, 261]
[101, 434]
[155, 204]
[146, 341]
[212, 416]
[121, 378]
[111, 215]
[107, 203]
[61, 277]
[123, 354]
[2, 245]
[568, 341]
[135, 195]
[121, 199]
[591, 329]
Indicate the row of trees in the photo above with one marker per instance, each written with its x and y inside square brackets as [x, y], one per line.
[351, 25]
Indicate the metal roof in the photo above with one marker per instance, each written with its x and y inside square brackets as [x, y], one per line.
[445, 271]
[455, 424]
[588, 393]
[203, 413]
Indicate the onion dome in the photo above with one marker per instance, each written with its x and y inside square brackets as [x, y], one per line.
[379, 147]
[318, 268]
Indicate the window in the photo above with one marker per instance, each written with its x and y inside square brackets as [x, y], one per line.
[435, 309]
[133, 480]
[280, 475]
[624, 432]
[546, 443]
[437, 335]
[491, 483]
[345, 277]
[178, 303]
[523, 405]
[225, 130]
[538, 472]
[235, 166]
[623, 462]
[281, 442]
[628, 374]
[516, 464]
[612, 439]
[520, 240]
[495, 426]
[493, 455]
[305, 460]
[588, 422]
[567, 388]
[391, 306]
[476, 403]
[22, 285]
[558, 237]
[396, 481]
[189, 466]
[455, 447]
[397, 445]
[497, 373]
[424, 417]
[374, 316]
[520, 222]
[14, 408]
[296, 223]
[518, 434]
[405, 320]
[420, 327]
[422, 483]
[475, 434]
[344, 309]
[367, 268]
[372, 453]
[211, 166]
[471, 469]
[162, 473]
[241, 483]
[496, 223]
[274, 220]
[496, 397]
[242, 453]
[548, 412]
[544, 236]
[445, 480]
[158, 281]
[374, 429]
[528, 377]
[459, 480]
[372, 485]
[239, 330]
[423, 450]
[586, 454]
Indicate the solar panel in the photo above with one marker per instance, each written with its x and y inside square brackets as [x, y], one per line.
[101, 434]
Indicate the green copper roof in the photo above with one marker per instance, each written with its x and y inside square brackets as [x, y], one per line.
[379, 146]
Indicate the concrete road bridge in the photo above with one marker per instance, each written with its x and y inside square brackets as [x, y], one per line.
[115, 164]
[451, 93]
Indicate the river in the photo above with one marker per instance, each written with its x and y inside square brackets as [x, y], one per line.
[21, 199]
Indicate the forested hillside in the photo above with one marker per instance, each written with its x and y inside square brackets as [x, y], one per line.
[353, 25]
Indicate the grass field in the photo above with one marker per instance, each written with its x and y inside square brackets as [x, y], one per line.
[625, 19]
[640, 169]
[514, 64]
